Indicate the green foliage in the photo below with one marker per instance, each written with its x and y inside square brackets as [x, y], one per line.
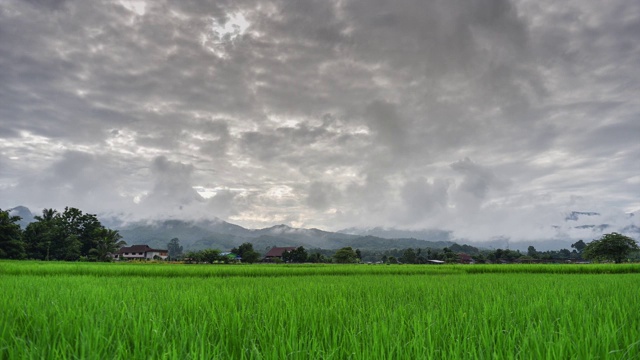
[246, 252]
[613, 247]
[298, 255]
[346, 255]
[108, 242]
[174, 249]
[409, 257]
[11, 243]
[317, 257]
[70, 235]
[579, 246]
[210, 255]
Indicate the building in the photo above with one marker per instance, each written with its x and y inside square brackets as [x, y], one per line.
[276, 253]
[140, 252]
[465, 259]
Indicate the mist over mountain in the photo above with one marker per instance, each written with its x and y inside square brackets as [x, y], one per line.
[196, 235]
[217, 233]
[392, 233]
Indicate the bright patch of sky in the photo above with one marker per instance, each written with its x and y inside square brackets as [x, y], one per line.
[136, 6]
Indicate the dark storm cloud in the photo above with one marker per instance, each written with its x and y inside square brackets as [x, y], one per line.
[323, 113]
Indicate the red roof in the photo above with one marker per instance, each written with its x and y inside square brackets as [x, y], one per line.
[277, 251]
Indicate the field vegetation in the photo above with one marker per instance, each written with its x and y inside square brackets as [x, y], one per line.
[177, 311]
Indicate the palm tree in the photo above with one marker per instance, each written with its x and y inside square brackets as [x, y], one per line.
[108, 242]
[47, 215]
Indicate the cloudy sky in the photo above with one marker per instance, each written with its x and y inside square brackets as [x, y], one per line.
[486, 117]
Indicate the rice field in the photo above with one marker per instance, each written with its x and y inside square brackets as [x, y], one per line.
[162, 311]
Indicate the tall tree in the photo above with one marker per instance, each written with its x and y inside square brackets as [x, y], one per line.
[615, 247]
[579, 246]
[174, 248]
[85, 227]
[11, 244]
[41, 234]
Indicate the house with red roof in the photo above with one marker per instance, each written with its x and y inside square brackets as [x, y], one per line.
[140, 252]
[276, 253]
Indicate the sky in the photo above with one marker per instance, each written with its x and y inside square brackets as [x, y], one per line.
[486, 118]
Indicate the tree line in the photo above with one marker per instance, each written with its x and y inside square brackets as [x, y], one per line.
[246, 254]
[69, 235]
[73, 235]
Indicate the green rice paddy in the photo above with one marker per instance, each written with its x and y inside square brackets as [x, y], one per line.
[163, 311]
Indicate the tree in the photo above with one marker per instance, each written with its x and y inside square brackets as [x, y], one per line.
[85, 227]
[40, 235]
[531, 251]
[317, 258]
[298, 255]
[246, 252]
[174, 248]
[108, 242]
[614, 246]
[408, 256]
[210, 255]
[346, 255]
[564, 253]
[579, 246]
[194, 257]
[449, 256]
[67, 236]
[11, 244]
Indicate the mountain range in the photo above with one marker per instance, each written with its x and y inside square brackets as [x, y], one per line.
[216, 233]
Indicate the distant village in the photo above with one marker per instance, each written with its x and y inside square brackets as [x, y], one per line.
[292, 254]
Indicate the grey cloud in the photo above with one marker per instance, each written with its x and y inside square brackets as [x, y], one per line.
[384, 120]
[172, 184]
[74, 179]
[477, 180]
[359, 107]
[322, 195]
[219, 139]
[422, 197]
[48, 4]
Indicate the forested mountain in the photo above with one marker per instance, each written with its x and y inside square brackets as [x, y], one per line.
[216, 233]
[223, 235]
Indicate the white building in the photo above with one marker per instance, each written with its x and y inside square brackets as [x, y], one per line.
[141, 252]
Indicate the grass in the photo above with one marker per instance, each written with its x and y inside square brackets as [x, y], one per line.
[138, 311]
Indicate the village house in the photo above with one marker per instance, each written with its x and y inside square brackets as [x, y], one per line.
[465, 259]
[276, 253]
[140, 252]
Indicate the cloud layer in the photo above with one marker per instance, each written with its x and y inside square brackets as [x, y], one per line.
[486, 118]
